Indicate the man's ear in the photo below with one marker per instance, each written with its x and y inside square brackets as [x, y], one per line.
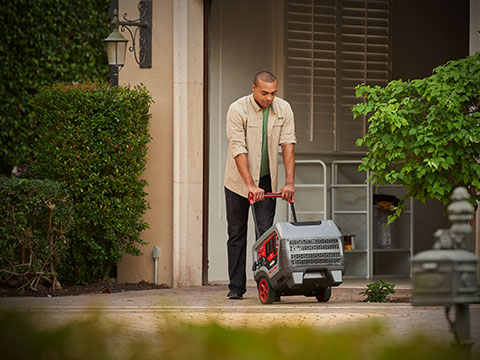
[253, 87]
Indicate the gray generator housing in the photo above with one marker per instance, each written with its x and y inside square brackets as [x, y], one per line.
[300, 258]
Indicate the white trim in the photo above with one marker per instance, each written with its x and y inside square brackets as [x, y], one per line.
[187, 142]
[278, 33]
[474, 26]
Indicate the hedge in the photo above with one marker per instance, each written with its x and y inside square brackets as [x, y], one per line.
[94, 139]
[35, 215]
[43, 42]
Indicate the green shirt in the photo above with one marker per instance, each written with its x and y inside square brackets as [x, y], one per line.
[264, 164]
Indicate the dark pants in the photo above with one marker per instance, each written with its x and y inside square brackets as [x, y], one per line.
[237, 219]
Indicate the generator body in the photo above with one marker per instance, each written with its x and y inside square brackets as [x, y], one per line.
[298, 258]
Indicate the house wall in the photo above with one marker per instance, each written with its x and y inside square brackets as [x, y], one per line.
[426, 34]
[474, 47]
[174, 168]
[159, 172]
[474, 26]
[175, 154]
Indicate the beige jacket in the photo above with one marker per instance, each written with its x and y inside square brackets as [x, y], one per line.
[244, 131]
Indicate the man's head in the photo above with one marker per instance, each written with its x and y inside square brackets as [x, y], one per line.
[264, 88]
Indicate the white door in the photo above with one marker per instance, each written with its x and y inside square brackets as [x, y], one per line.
[243, 41]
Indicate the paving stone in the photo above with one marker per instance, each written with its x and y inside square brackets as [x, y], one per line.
[144, 312]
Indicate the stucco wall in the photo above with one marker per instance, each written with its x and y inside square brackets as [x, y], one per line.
[159, 173]
[175, 164]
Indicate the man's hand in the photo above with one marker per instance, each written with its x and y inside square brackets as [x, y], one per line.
[288, 192]
[258, 193]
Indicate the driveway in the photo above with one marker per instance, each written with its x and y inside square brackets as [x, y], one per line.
[144, 312]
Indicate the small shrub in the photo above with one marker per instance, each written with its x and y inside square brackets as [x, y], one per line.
[34, 217]
[94, 138]
[378, 291]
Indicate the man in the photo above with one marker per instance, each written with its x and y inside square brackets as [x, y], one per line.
[256, 125]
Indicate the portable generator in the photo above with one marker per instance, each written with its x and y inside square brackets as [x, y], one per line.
[297, 258]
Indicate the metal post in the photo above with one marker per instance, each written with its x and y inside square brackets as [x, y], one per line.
[156, 255]
[257, 234]
[461, 329]
[113, 75]
[462, 324]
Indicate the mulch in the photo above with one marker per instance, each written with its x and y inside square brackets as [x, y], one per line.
[10, 290]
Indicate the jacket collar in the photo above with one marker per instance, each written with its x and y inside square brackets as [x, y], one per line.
[258, 108]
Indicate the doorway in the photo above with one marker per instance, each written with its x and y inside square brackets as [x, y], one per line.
[243, 40]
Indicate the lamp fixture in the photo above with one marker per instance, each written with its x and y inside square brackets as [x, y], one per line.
[116, 43]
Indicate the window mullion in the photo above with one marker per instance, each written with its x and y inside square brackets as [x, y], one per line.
[312, 71]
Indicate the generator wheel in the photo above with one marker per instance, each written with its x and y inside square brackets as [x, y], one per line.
[323, 294]
[266, 294]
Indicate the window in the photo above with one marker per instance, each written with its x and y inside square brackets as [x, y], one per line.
[331, 46]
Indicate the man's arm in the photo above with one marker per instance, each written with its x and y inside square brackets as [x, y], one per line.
[242, 166]
[236, 136]
[288, 191]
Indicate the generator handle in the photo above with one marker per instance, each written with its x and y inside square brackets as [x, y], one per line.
[266, 196]
[269, 196]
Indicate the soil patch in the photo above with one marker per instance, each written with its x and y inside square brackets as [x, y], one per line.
[69, 290]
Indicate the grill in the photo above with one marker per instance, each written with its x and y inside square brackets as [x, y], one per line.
[305, 252]
[313, 245]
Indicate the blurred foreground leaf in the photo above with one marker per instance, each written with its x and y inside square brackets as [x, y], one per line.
[94, 338]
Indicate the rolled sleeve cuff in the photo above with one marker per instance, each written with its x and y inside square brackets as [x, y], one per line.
[288, 140]
[237, 150]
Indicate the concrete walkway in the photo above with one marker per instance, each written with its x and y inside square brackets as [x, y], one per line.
[144, 312]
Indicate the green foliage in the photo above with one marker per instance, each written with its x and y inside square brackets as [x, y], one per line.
[34, 217]
[94, 139]
[424, 134]
[43, 42]
[21, 340]
[94, 338]
[378, 291]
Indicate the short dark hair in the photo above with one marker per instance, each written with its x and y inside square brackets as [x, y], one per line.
[266, 76]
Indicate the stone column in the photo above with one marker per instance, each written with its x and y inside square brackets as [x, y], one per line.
[187, 141]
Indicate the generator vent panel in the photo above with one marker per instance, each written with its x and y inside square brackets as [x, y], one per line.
[305, 252]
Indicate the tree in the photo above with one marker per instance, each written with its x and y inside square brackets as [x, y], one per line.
[424, 134]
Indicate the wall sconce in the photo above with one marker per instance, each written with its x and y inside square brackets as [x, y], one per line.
[116, 43]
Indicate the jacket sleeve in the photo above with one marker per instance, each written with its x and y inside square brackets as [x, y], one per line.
[287, 133]
[236, 131]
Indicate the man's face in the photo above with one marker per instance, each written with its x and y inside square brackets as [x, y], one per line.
[264, 93]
